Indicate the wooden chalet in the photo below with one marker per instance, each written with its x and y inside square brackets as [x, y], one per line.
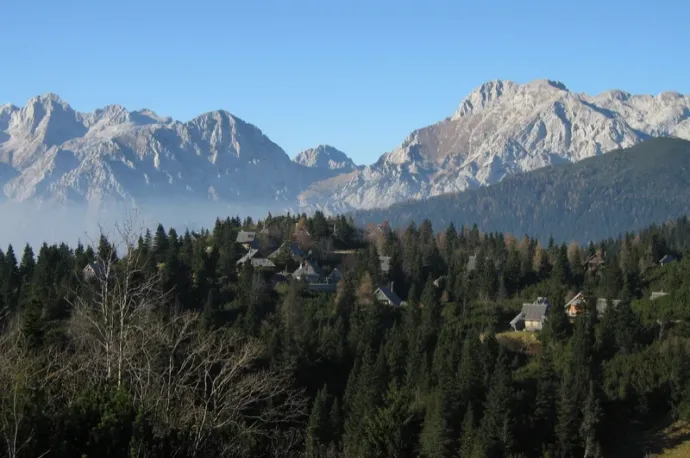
[532, 316]
[593, 263]
[576, 306]
[386, 295]
[254, 257]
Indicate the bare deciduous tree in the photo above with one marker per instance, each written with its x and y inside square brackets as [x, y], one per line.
[204, 384]
[20, 372]
[119, 293]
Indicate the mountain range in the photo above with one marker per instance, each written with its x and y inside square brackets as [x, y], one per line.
[49, 152]
[593, 199]
[52, 153]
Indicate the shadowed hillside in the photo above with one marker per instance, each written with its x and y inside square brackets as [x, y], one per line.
[596, 198]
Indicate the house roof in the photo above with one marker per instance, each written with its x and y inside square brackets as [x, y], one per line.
[385, 263]
[594, 259]
[439, 280]
[292, 246]
[579, 297]
[389, 295]
[245, 236]
[384, 228]
[535, 311]
[472, 262]
[98, 268]
[657, 295]
[249, 255]
[667, 258]
[517, 318]
[262, 262]
[307, 268]
[603, 304]
[335, 274]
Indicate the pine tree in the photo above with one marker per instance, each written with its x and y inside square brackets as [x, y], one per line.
[388, 431]
[320, 226]
[318, 428]
[568, 416]
[543, 415]
[33, 325]
[211, 309]
[27, 265]
[160, 244]
[627, 327]
[561, 274]
[10, 280]
[557, 328]
[435, 435]
[335, 421]
[450, 244]
[374, 265]
[591, 417]
[496, 425]
[467, 439]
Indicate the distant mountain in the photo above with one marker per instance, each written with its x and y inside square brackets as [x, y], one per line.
[49, 152]
[501, 129]
[325, 157]
[52, 153]
[598, 197]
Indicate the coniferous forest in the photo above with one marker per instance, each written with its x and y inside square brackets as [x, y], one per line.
[161, 344]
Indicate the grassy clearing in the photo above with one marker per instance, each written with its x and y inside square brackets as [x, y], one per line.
[672, 442]
[519, 341]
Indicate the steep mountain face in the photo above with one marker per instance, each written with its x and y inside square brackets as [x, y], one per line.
[49, 152]
[325, 157]
[593, 199]
[501, 129]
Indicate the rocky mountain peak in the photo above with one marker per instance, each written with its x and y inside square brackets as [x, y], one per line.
[325, 157]
[500, 129]
[485, 96]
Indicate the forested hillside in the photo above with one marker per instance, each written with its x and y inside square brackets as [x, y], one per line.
[592, 199]
[160, 344]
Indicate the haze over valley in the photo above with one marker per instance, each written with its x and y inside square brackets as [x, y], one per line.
[113, 159]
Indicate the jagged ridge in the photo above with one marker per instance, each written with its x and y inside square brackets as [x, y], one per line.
[500, 129]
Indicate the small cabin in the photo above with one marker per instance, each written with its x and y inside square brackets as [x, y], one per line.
[576, 306]
[593, 262]
[256, 260]
[657, 294]
[308, 271]
[669, 258]
[96, 270]
[387, 296]
[385, 264]
[532, 316]
[247, 239]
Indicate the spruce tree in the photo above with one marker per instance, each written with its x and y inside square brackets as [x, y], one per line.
[27, 265]
[209, 317]
[318, 428]
[388, 431]
[467, 438]
[591, 417]
[497, 422]
[568, 416]
[435, 434]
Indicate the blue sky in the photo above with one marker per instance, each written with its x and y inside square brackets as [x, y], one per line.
[359, 75]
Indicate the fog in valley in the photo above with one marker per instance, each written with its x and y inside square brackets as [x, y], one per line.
[35, 224]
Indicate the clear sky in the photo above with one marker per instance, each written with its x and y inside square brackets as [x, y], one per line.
[357, 74]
